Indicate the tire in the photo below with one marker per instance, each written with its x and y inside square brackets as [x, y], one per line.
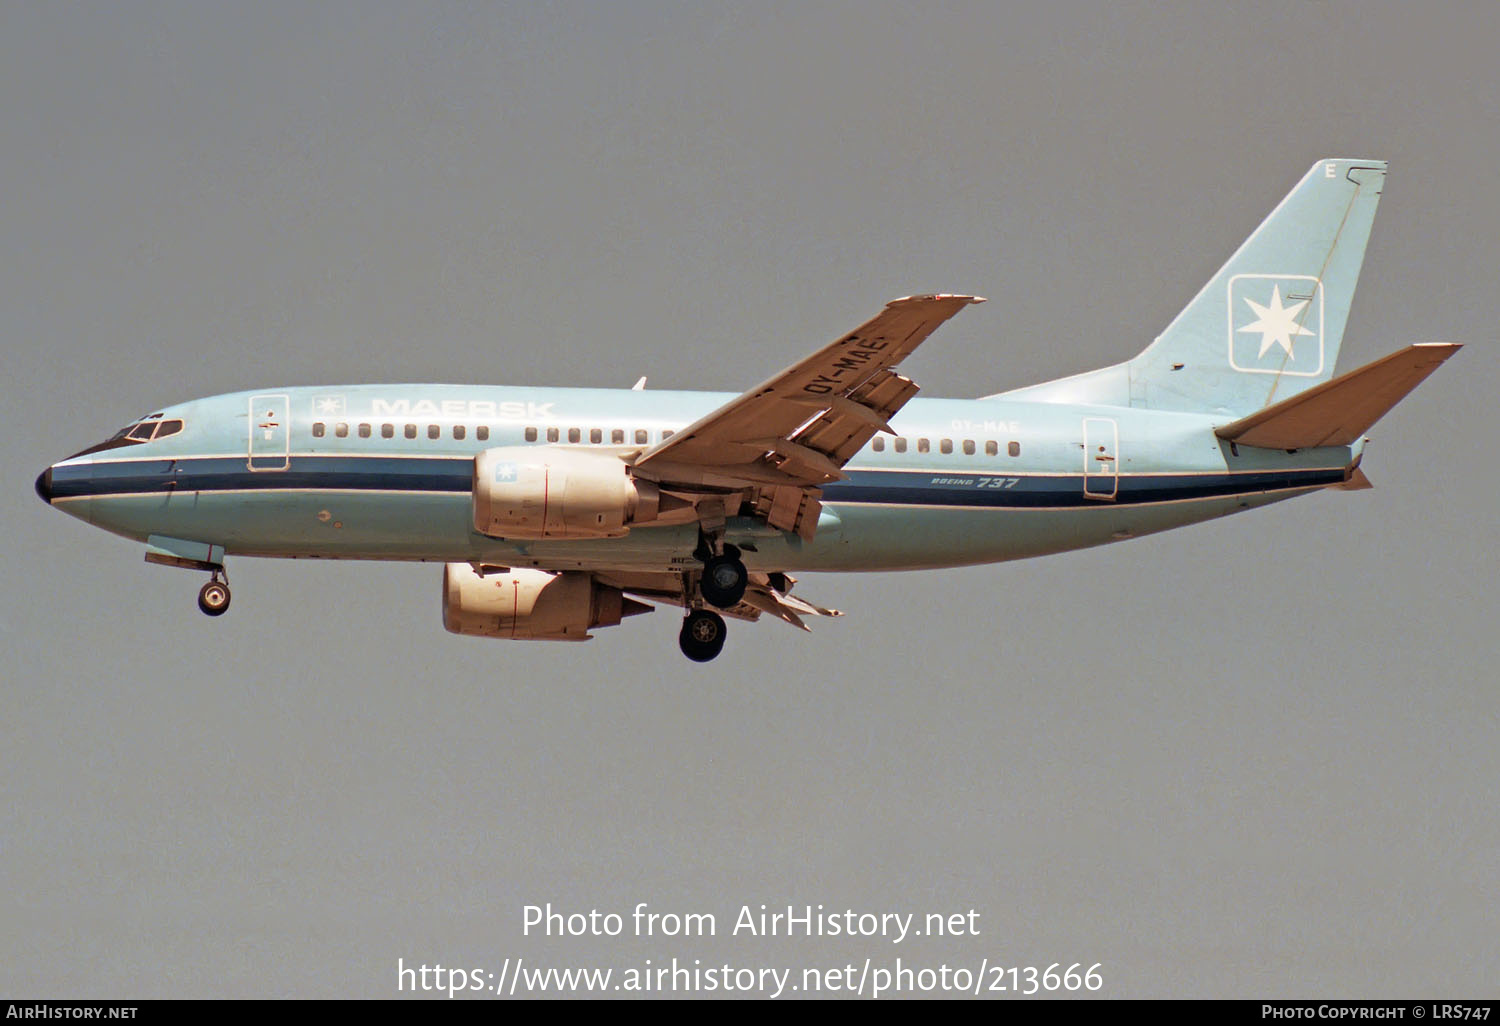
[702, 636]
[213, 599]
[724, 581]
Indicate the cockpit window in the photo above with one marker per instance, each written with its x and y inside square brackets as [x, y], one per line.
[150, 429]
[138, 433]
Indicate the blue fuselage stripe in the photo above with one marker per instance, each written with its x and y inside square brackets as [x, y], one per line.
[891, 487]
[221, 474]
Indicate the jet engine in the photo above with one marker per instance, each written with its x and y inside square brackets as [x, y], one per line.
[531, 604]
[534, 492]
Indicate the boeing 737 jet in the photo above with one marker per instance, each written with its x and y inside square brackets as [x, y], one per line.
[562, 510]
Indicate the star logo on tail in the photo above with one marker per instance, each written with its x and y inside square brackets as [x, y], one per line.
[1278, 325]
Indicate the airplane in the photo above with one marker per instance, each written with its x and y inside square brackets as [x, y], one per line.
[560, 510]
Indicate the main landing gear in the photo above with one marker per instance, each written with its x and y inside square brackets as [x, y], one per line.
[702, 636]
[722, 584]
[213, 599]
[724, 579]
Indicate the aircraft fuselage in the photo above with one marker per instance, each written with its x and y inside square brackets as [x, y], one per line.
[384, 472]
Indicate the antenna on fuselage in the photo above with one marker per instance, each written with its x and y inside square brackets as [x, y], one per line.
[639, 386]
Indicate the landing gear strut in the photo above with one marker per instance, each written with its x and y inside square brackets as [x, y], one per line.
[722, 584]
[702, 636]
[213, 599]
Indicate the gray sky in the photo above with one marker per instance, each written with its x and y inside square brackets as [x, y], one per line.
[1254, 757]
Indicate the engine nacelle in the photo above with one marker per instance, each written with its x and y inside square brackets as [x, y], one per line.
[531, 604]
[534, 492]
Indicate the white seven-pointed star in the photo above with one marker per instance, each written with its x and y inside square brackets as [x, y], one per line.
[1277, 324]
[330, 404]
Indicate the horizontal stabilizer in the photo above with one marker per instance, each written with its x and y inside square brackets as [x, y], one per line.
[1338, 412]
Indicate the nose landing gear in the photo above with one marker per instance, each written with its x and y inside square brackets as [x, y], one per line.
[213, 598]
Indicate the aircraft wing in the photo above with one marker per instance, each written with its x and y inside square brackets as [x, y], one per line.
[766, 593]
[783, 439]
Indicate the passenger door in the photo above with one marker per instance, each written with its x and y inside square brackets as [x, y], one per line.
[1101, 470]
[270, 432]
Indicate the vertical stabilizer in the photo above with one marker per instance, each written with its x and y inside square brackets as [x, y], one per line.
[1269, 324]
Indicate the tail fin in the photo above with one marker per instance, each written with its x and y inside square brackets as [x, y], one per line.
[1269, 324]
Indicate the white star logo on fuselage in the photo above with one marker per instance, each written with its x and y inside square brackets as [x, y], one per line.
[1277, 324]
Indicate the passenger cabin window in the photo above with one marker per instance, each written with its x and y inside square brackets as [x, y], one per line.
[552, 434]
[640, 437]
[878, 444]
[459, 431]
[596, 436]
[387, 431]
[318, 429]
[968, 446]
[923, 445]
[900, 444]
[1014, 448]
[992, 448]
[667, 434]
[341, 430]
[482, 432]
[946, 445]
[575, 435]
[617, 437]
[411, 431]
[433, 431]
[531, 434]
[364, 431]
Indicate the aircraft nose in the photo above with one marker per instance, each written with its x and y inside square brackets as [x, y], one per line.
[44, 485]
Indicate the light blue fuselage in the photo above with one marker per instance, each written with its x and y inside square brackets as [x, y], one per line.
[246, 472]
